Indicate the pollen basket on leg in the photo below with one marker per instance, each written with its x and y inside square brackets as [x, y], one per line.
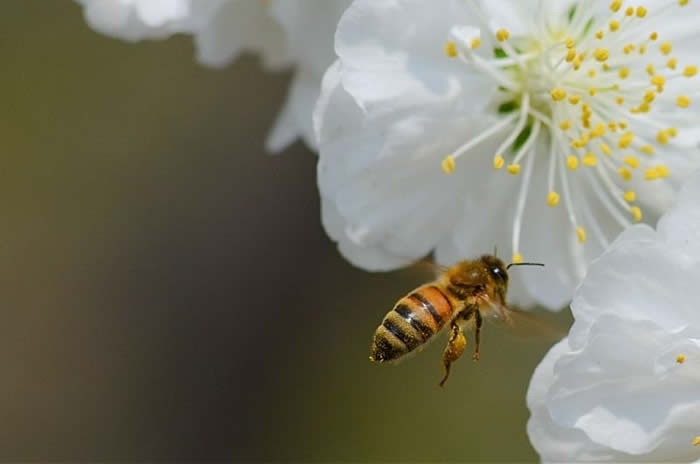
[601, 87]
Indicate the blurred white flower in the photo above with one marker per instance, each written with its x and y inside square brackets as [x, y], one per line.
[625, 385]
[557, 122]
[282, 32]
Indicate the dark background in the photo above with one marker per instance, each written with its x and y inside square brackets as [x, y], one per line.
[168, 291]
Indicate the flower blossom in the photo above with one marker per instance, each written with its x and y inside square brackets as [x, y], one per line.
[625, 384]
[282, 32]
[541, 127]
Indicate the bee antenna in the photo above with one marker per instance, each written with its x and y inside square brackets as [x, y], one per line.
[524, 264]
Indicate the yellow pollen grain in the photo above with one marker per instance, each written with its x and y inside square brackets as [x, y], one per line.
[662, 170]
[641, 12]
[622, 124]
[606, 148]
[625, 173]
[666, 48]
[498, 162]
[620, 100]
[658, 80]
[513, 169]
[680, 359]
[623, 73]
[552, 199]
[475, 43]
[614, 25]
[616, 5]
[682, 2]
[517, 258]
[683, 101]
[629, 11]
[599, 35]
[642, 49]
[570, 42]
[591, 73]
[565, 125]
[451, 49]
[663, 137]
[601, 54]
[672, 63]
[574, 99]
[581, 234]
[631, 161]
[690, 71]
[630, 196]
[649, 96]
[502, 35]
[636, 213]
[651, 174]
[570, 55]
[448, 164]
[696, 440]
[653, 36]
[592, 92]
[572, 162]
[672, 131]
[558, 94]
[650, 69]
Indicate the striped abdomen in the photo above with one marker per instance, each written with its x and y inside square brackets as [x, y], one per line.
[414, 319]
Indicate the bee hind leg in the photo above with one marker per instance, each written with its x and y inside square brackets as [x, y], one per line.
[456, 345]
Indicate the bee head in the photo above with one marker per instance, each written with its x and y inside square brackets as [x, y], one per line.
[499, 273]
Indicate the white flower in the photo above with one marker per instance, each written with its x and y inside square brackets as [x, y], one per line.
[625, 385]
[587, 106]
[282, 32]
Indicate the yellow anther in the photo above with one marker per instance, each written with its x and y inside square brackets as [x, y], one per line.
[592, 92]
[653, 36]
[599, 35]
[558, 94]
[650, 69]
[502, 35]
[574, 99]
[696, 440]
[599, 130]
[589, 160]
[624, 173]
[448, 164]
[498, 162]
[614, 25]
[565, 125]
[622, 124]
[680, 360]
[647, 149]
[620, 100]
[662, 170]
[663, 137]
[517, 258]
[612, 126]
[606, 67]
[651, 174]
[513, 169]
[631, 161]
[666, 48]
[629, 11]
[616, 5]
[641, 12]
[642, 49]
[570, 55]
[552, 199]
[672, 63]
[581, 234]
[636, 213]
[649, 96]
[591, 73]
[672, 131]
[570, 42]
[623, 73]
[451, 49]
[690, 71]
[682, 2]
[572, 162]
[683, 101]
[630, 196]
[601, 54]
[606, 148]
[475, 43]
[658, 80]
[625, 140]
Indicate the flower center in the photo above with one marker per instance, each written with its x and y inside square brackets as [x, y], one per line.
[599, 85]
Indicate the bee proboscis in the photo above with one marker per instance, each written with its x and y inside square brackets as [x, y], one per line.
[462, 296]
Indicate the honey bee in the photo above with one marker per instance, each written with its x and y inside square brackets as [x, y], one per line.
[463, 295]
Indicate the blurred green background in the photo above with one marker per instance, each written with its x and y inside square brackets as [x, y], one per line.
[168, 291]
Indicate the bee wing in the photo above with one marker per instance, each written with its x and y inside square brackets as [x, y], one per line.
[533, 326]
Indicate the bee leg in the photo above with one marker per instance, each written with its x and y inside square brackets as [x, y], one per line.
[456, 345]
[477, 334]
